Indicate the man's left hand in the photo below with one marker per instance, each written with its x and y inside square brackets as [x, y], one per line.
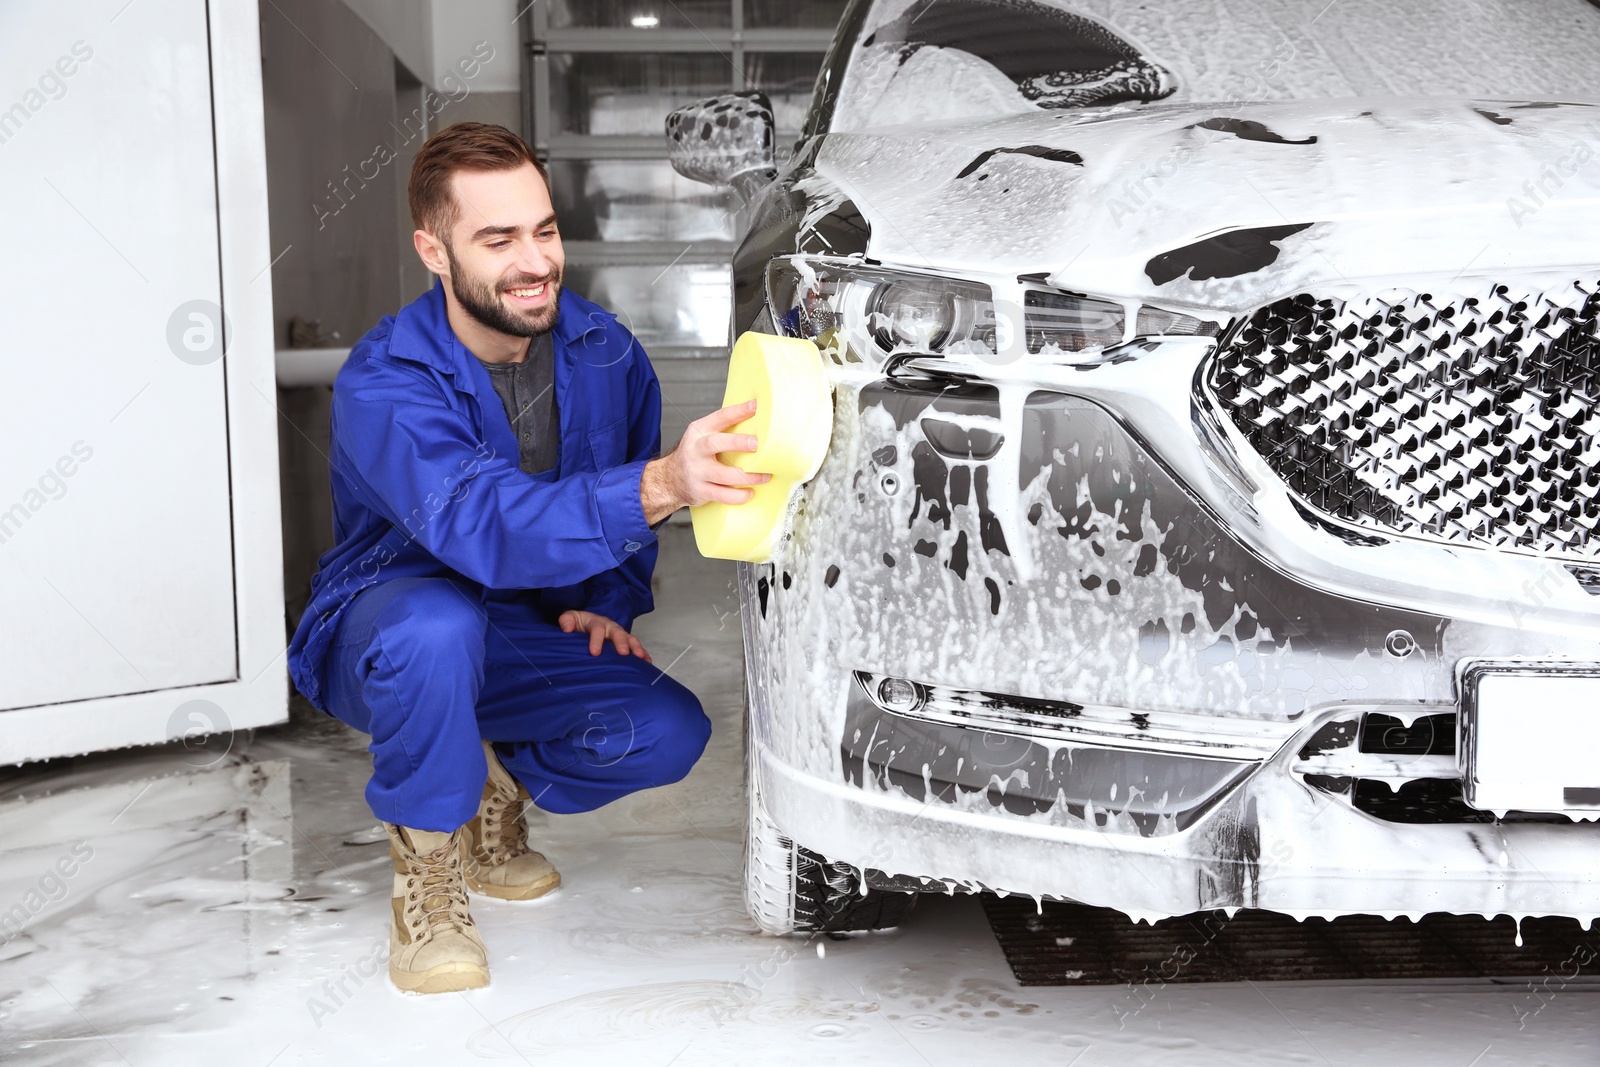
[600, 630]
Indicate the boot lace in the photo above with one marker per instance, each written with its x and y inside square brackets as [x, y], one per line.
[435, 888]
[505, 832]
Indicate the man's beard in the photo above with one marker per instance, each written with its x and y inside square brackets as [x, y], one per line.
[483, 301]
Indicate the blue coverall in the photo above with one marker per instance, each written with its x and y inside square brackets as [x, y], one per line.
[432, 621]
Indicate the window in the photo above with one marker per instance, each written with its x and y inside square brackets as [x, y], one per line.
[601, 76]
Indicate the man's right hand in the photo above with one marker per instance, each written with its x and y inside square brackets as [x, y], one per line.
[692, 474]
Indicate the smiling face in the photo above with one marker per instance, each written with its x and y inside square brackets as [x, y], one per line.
[503, 259]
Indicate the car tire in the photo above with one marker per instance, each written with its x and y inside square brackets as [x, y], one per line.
[790, 889]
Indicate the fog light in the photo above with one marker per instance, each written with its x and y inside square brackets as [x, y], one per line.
[897, 694]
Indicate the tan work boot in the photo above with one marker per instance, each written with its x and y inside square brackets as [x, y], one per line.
[498, 860]
[433, 945]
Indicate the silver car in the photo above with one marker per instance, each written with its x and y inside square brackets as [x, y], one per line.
[1212, 512]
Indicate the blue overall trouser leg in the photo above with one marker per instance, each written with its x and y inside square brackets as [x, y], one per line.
[428, 667]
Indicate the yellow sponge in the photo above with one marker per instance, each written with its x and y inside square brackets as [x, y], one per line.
[792, 424]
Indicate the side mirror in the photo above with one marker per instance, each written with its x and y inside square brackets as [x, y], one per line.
[724, 140]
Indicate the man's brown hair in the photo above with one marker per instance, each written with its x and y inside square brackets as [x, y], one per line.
[462, 146]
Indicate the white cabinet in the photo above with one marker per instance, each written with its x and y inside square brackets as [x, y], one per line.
[139, 541]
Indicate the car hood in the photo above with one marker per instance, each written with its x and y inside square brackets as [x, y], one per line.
[1231, 206]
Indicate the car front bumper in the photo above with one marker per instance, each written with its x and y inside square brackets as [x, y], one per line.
[1271, 843]
[1091, 536]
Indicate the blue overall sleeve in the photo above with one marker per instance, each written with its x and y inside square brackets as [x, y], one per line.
[421, 466]
[623, 594]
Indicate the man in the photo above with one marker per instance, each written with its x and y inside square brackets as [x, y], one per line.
[495, 500]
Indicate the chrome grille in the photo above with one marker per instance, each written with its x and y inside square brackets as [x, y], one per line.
[1470, 420]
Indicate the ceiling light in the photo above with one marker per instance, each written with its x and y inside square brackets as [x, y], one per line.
[646, 22]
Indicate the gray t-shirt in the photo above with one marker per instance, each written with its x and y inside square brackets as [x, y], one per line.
[528, 391]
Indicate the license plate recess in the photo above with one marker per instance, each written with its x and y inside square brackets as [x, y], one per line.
[1530, 736]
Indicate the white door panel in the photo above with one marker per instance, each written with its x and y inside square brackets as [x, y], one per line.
[116, 569]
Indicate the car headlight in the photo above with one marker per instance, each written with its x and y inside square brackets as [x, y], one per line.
[920, 312]
[862, 314]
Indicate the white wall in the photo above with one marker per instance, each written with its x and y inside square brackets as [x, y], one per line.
[406, 26]
[430, 36]
[458, 25]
